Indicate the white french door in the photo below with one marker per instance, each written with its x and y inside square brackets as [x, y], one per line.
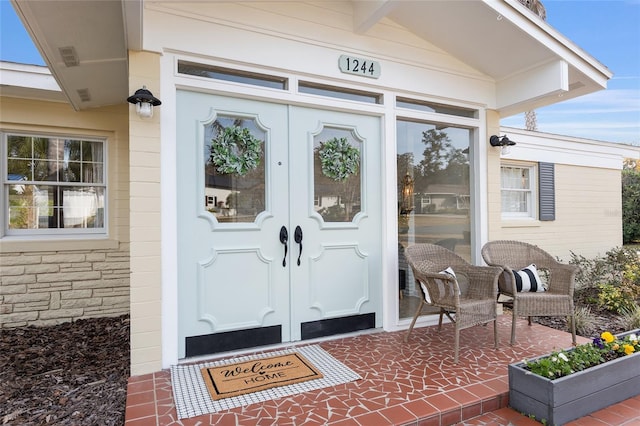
[280, 251]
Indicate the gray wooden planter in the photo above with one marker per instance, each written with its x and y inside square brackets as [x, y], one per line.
[568, 398]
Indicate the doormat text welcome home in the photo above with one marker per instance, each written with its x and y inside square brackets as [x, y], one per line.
[256, 375]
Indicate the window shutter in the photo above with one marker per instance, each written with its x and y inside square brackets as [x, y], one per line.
[547, 191]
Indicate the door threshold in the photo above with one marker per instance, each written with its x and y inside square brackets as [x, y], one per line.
[279, 346]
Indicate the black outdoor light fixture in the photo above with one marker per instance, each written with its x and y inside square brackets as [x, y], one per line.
[503, 142]
[144, 102]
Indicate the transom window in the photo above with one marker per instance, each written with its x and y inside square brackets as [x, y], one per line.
[517, 186]
[53, 185]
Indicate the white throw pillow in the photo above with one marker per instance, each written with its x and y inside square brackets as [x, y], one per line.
[440, 283]
[527, 279]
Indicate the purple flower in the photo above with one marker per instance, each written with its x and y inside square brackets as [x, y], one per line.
[598, 342]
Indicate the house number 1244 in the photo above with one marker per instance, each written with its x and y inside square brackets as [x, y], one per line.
[359, 66]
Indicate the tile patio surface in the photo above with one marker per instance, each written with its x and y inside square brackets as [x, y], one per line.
[414, 383]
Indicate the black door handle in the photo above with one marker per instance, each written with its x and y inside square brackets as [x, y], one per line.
[297, 236]
[284, 238]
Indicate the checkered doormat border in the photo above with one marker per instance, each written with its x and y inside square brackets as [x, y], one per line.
[192, 397]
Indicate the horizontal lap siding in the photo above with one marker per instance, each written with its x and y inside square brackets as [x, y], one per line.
[588, 215]
[308, 38]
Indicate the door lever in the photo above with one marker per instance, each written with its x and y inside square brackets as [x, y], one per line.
[297, 236]
[284, 238]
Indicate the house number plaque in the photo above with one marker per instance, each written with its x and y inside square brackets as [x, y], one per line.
[359, 66]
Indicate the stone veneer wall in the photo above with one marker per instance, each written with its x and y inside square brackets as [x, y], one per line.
[52, 287]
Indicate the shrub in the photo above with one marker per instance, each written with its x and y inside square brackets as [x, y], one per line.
[585, 321]
[615, 298]
[617, 273]
[631, 317]
[630, 205]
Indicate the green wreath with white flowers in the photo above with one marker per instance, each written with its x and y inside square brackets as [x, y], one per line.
[338, 159]
[235, 151]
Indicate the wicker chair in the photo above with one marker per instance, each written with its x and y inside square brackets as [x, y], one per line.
[471, 296]
[557, 300]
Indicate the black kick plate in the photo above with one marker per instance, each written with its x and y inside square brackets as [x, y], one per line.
[232, 340]
[329, 327]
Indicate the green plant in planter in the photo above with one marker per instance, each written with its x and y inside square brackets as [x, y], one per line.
[604, 348]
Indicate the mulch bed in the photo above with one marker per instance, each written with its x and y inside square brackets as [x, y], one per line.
[68, 374]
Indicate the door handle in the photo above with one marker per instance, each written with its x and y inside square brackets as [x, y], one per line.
[297, 236]
[284, 239]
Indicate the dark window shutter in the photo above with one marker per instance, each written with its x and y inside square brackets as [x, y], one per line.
[547, 191]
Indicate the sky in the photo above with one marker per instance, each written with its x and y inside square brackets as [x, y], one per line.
[608, 30]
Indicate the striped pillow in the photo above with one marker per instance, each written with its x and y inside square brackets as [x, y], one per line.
[527, 279]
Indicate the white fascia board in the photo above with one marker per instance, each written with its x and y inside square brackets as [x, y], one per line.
[543, 81]
[546, 147]
[27, 76]
[132, 16]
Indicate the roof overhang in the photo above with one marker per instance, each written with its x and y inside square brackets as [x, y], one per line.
[532, 64]
[29, 82]
[85, 45]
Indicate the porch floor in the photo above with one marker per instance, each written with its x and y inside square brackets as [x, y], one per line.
[414, 383]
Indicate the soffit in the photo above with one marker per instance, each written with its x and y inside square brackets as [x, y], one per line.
[508, 43]
[93, 32]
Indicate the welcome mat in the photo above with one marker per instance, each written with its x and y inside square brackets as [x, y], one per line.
[192, 397]
[258, 374]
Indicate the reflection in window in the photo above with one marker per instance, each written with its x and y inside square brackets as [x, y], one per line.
[234, 169]
[336, 171]
[433, 189]
[54, 183]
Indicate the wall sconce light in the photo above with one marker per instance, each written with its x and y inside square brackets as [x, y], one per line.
[503, 142]
[144, 102]
[406, 205]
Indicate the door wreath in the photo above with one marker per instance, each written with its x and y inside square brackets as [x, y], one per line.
[339, 159]
[235, 151]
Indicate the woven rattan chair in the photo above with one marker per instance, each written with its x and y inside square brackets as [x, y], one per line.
[557, 300]
[467, 300]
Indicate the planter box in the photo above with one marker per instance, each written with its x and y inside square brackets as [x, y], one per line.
[568, 398]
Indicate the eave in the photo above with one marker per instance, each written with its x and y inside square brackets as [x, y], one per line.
[532, 64]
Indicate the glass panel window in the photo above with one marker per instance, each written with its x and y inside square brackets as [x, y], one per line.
[517, 191]
[417, 105]
[339, 92]
[433, 190]
[236, 76]
[336, 171]
[54, 185]
[234, 169]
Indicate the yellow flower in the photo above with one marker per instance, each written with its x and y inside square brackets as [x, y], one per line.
[607, 337]
[628, 349]
[615, 347]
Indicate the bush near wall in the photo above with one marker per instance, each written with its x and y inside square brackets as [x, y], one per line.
[52, 287]
[611, 283]
[630, 205]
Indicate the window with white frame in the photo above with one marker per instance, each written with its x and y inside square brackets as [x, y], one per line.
[53, 185]
[518, 186]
